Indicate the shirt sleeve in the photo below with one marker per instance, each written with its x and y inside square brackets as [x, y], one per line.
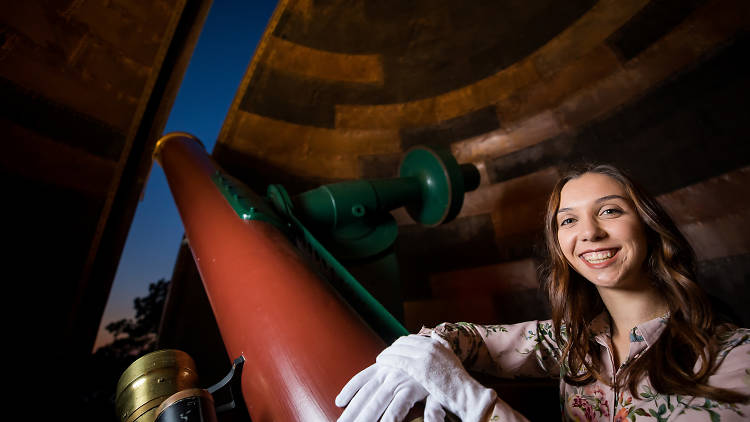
[732, 373]
[527, 349]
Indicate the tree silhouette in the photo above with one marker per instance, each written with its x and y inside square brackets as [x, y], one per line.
[136, 336]
[133, 337]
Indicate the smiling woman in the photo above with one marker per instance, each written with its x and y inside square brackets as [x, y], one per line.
[648, 272]
[601, 236]
[632, 335]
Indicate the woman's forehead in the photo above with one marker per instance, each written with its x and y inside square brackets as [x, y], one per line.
[589, 188]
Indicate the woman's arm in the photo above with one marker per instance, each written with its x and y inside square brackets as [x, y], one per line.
[526, 349]
[437, 360]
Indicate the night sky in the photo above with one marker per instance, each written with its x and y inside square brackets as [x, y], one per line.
[225, 47]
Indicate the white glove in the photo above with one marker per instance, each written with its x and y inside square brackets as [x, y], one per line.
[433, 364]
[382, 390]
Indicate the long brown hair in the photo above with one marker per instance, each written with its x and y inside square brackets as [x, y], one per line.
[691, 334]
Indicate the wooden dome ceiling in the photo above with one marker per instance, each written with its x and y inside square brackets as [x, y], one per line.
[339, 89]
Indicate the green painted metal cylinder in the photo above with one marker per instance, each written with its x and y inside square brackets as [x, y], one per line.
[441, 182]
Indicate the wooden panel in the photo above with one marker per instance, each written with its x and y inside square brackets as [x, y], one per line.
[598, 63]
[144, 11]
[118, 75]
[262, 133]
[441, 107]
[50, 228]
[519, 246]
[56, 121]
[289, 97]
[317, 151]
[38, 23]
[521, 305]
[402, 217]
[464, 242]
[520, 202]
[710, 199]
[489, 280]
[84, 55]
[724, 236]
[591, 30]
[686, 130]
[654, 21]
[444, 133]
[579, 38]
[295, 58]
[510, 193]
[114, 23]
[705, 29]
[73, 89]
[514, 137]
[257, 173]
[431, 312]
[379, 166]
[36, 157]
[727, 279]
[695, 37]
[420, 60]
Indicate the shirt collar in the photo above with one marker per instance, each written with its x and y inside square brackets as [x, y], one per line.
[649, 331]
[642, 336]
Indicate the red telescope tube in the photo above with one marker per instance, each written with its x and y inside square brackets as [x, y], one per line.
[300, 340]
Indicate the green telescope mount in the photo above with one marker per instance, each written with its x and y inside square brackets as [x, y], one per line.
[353, 220]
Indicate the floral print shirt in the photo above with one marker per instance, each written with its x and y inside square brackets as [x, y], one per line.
[529, 349]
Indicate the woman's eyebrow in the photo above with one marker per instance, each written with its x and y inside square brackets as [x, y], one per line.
[602, 199]
[608, 197]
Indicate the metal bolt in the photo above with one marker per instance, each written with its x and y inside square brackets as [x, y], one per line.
[358, 210]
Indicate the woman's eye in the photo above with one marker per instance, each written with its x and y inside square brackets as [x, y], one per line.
[566, 221]
[611, 211]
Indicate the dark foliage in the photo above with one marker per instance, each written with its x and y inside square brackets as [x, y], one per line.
[134, 337]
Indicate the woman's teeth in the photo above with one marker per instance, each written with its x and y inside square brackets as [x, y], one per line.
[599, 256]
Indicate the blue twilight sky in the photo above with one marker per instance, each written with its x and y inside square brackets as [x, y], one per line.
[226, 45]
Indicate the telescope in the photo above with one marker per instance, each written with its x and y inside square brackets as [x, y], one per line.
[296, 320]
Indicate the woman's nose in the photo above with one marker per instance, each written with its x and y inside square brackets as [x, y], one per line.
[591, 231]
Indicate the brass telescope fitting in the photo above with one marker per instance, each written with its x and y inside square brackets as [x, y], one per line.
[150, 380]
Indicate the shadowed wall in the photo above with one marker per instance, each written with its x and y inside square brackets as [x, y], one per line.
[86, 88]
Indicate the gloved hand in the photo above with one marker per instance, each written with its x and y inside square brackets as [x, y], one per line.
[433, 364]
[387, 391]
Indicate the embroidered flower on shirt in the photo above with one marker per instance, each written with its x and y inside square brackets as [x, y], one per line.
[622, 415]
[628, 410]
[635, 337]
[732, 339]
[665, 405]
[545, 348]
[588, 404]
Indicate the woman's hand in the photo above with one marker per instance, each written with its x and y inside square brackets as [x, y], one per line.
[432, 363]
[387, 391]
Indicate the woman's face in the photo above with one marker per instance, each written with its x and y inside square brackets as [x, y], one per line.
[600, 232]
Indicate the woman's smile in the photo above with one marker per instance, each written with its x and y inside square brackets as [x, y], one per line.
[599, 258]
